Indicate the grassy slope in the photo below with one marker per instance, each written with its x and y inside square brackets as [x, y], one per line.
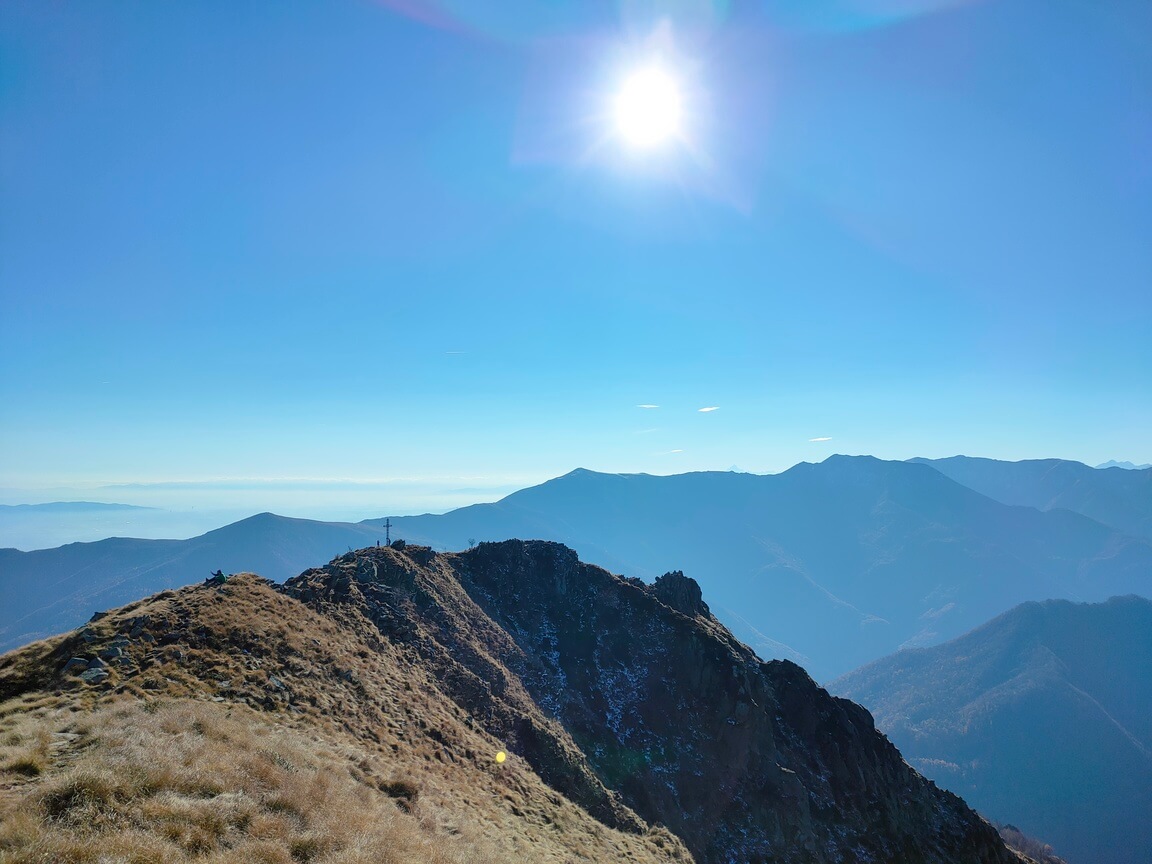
[253, 729]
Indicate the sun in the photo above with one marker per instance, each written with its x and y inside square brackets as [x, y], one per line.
[647, 108]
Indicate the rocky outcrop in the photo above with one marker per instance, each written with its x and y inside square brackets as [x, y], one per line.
[681, 593]
[633, 701]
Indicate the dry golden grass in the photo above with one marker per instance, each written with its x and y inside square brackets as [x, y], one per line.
[26, 751]
[267, 733]
[186, 781]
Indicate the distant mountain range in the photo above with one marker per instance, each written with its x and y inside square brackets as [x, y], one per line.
[1119, 499]
[68, 507]
[832, 565]
[1112, 463]
[1042, 717]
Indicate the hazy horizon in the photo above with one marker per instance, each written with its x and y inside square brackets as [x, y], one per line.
[184, 509]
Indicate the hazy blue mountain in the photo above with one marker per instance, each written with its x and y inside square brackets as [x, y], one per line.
[68, 506]
[833, 564]
[1041, 718]
[48, 591]
[1120, 499]
[1112, 463]
[40, 526]
[31, 527]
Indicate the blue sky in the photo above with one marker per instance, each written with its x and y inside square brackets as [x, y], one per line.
[400, 241]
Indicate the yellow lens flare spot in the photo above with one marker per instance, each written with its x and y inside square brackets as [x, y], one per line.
[500, 757]
[648, 108]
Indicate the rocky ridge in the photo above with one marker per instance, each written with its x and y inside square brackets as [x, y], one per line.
[231, 723]
[633, 701]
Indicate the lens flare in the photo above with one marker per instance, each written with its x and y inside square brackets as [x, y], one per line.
[647, 108]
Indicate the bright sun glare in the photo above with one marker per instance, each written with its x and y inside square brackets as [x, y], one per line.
[648, 108]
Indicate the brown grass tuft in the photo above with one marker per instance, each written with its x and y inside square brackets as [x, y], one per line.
[28, 758]
[404, 791]
[81, 796]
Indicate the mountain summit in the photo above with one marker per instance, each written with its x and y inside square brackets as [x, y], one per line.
[629, 704]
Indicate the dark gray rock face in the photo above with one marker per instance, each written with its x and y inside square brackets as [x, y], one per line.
[680, 593]
[633, 699]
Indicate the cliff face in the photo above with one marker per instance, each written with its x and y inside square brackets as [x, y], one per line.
[634, 702]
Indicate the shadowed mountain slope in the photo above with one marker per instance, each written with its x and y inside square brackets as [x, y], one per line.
[832, 565]
[1119, 498]
[1042, 718]
[621, 705]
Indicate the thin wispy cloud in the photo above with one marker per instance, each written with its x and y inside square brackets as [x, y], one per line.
[820, 439]
[709, 408]
[669, 452]
[647, 406]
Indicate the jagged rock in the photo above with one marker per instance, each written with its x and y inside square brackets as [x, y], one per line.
[76, 664]
[138, 624]
[96, 663]
[680, 592]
